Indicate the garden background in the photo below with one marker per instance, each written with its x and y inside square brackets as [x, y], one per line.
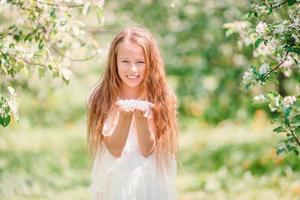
[227, 147]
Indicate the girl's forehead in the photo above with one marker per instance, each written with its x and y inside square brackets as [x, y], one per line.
[130, 49]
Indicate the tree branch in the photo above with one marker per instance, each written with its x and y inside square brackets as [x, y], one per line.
[73, 59]
[58, 5]
[266, 75]
[293, 134]
[278, 5]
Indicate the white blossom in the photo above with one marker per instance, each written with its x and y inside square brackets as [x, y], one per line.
[11, 91]
[2, 111]
[272, 44]
[261, 28]
[288, 101]
[297, 40]
[129, 104]
[263, 50]
[99, 2]
[66, 73]
[237, 26]
[288, 62]
[78, 1]
[279, 28]
[296, 22]
[247, 77]
[259, 98]
[12, 102]
[287, 73]
[86, 8]
[264, 68]
[278, 2]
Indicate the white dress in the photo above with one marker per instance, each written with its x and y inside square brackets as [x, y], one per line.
[131, 176]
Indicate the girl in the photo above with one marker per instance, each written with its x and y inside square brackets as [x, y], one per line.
[132, 123]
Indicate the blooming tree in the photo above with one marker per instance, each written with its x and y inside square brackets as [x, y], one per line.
[40, 36]
[272, 27]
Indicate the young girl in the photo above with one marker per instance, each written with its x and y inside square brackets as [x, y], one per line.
[132, 123]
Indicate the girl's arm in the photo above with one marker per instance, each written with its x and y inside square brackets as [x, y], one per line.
[146, 138]
[116, 142]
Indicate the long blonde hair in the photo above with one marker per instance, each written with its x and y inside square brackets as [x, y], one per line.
[106, 91]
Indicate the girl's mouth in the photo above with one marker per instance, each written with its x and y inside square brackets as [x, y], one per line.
[132, 76]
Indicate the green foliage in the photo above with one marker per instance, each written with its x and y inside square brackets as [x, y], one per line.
[38, 37]
[4, 114]
[275, 37]
[54, 166]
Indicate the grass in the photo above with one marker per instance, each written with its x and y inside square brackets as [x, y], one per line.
[235, 161]
[230, 161]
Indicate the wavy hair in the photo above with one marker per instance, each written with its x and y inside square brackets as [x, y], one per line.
[105, 92]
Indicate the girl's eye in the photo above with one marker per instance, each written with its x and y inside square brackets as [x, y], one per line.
[125, 61]
[141, 62]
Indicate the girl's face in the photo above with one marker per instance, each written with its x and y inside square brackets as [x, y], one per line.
[131, 63]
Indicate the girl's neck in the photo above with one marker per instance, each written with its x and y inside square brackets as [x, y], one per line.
[131, 93]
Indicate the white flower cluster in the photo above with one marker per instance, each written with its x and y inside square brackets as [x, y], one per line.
[10, 102]
[288, 101]
[248, 77]
[259, 98]
[266, 49]
[129, 104]
[264, 68]
[261, 28]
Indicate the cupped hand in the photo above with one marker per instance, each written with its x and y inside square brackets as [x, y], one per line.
[125, 110]
[143, 112]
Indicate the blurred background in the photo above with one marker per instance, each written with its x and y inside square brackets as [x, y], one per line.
[227, 147]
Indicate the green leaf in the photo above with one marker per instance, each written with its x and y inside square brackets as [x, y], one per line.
[296, 152]
[228, 32]
[86, 8]
[270, 11]
[257, 42]
[293, 49]
[53, 12]
[5, 121]
[28, 37]
[41, 44]
[287, 111]
[99, 11]
[291, 2]
[17, 38]
[297, 130]
[41, 71]
[279, 129]
[280, 150]
[296, 118]
[12, 27]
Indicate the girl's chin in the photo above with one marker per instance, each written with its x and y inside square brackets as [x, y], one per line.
[133, 83]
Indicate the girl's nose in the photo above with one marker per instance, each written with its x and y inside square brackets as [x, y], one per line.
[133, 68]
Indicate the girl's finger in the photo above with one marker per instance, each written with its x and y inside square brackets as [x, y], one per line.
[150, 105]
[132, 109]
[146, 114]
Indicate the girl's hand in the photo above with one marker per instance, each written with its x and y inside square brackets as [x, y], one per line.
[141, 108]
[124, 110]
[143, 112]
